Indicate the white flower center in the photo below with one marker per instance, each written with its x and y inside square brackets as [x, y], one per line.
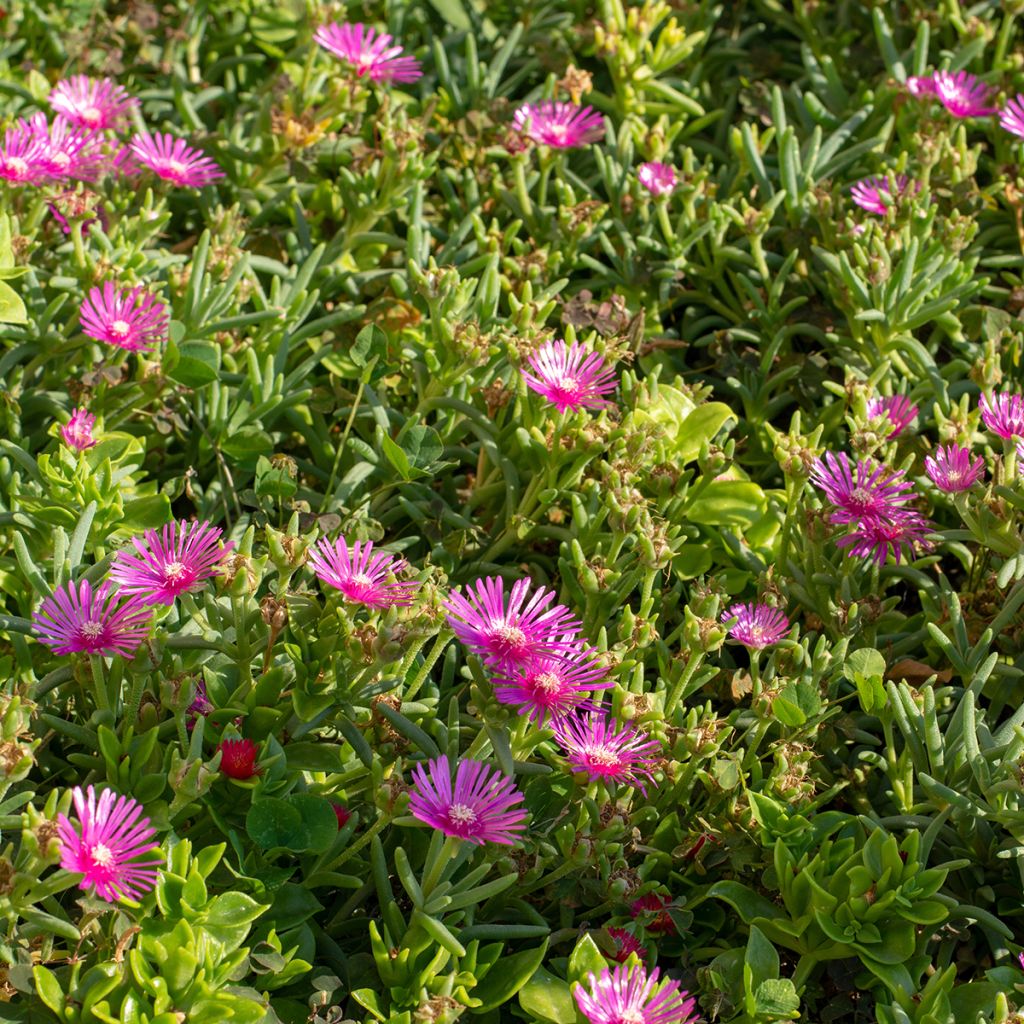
[567, 384]
[861, 496]
[547, 682]
[462, 814]
[102, 855]
[91, 116]
[173, 571]
[558, 131]
[602, 756]
[120, 328]
[177, 168]
[508, 636]
[18, 166]
[92, 629]
[61, 160]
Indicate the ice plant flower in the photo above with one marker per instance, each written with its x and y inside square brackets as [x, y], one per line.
[559, 125]
[570, 377]
[1003, 414]
[99, 104]
[898, 409]
[106, 848]
[174, 160]
[963, 94]
[652, 904]
[921, 86]
[878, 538]
[342, 813]
[876, 194]
[626, 944]
[371, 54]
[23, 156]
[659, 179]
[867, 491]
[174, 561]
[201, 703]
[757, 625]
[510, 633]
[362, 576]
[1011, 117]
[601, 748]
[480, 808]
[78, 619]
[953, 469]
[77, 432]
[629, 995]
[238, 758]
[68, 151]
[132, 320]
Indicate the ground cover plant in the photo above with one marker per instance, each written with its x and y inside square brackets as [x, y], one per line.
[511, 511]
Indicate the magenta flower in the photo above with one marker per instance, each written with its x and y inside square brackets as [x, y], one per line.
[238, 759]
[23, 156]
[478, 809]
[569, 377]
[201, 703]
[628, 995]
[97, 104]
[175, 561]
[876, 194]
[659, 179]
[757, 625]
[877, 538]
[510, 636]
[77, 432]
[553, 686]
[921, 86]
[370, 54]
[68, 151]
[559, 125]
[1011, 117]
[1003, 414]
[361, 575]
[78, 618]
[652, 910]
[873, 493]
[626, 944]
[174, 160]
[963, 94]
[602, 749]
[898, 409]
[132, 320]
[106, 850]
[952, 469]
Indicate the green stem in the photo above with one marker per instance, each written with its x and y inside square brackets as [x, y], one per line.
[99, 679]
[341, 445]
[440, 643]
[364, 840]
[435, 869]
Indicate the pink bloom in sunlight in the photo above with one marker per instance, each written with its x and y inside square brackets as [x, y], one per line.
[868, 491]
[559, 125]
[174, 160]
[963, 94]
[570, 377]
[599, 747]
[1003, 414]
[106, 847]
[898, 409]
[921, 86]
[362, 576]
[1011, 117]
[875, 194]
[629, 995]
[478, 809]
[132, 320]
[99, 104]
[757, 625]
[23, 156]
[77, 432]
[952, 469]
[69, 152]
[175, 561]
[626, 944]
[370, 53]
[876, 539]
[659, 179]
[80, 619]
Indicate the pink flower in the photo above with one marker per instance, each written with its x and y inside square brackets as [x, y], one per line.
[921, 86]
[23, 156]
[238, 759]
[175, 561]
[559, 125]
[898, 409]
[629, 994]
[174, 160]
[877, 538]
[360, 575]
[77, 432]
[510, 636]
[479, 809]
[601, 748]
[876, 194]
[569, 377]
[201, 703]
[77, 618]
[1003, 414]
[68, 151]
[98, 104]
[369, 53]
[963, 94]
[659, 179]
[132, 320]
[1011, 117]
[757, 626]
[874, 493]
[654, 907]
[626, 944]
[952, 469]
[113, 836]
[342, 813]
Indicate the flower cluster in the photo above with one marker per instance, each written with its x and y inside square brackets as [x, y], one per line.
[965, 95]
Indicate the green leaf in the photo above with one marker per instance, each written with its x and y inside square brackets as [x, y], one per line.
[762, 958]
[272, 822]
[371, 340]
[274, 482]
[747, 903]
[776, 998]
[394, 454]
[12, 309]
[318, 819]
[453, 12]
[508, 977]
[701, 425]
[198, 364]
[49, 989]
[145, 513]
[727, 503]
[585, 959]
[546, 997]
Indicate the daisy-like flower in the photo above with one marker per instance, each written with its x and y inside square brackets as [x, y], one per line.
[480, 808]
[23, 156]
[867, 491]
[174, 160]
[652, 912]
[876, 194]
[553, 686]
[921, 86]
[757, 625]
[559, 125]
[106, 848]
[953, 469]
[509, 634]
[371, 54]
[68, 151]
[77, 432]
[1011, 117]
[174, 561]
[602, 748]
[878, 538]
[897, 409]
[629, 995]
[570, 377]
[99, 104]
[238, 758]
[1003, 414]
[80, 619]
[626, 944]
[362, 576]
[963, 94]
[659, 179]
[132, 320]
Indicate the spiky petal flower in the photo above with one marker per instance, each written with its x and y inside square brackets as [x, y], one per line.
[1003, 414]
[99, 104]
[68, 151]
[106, 848]
[132, 320]
[80, 619]
[174, 160]
[629, 995]
[510, 633]
[651, 910]
[570, 377]
[963, 94]
[876, 194]
[559, 125]
[1011, 117]
[77, 432]
[479, 808]
[238, 758]
[602, 748]
[370, 53]
[921, 86]
[757, 625]
[659, 179]
[878, 538]
[23, 157]
[897, 409]
[626, 944]
[953, 469]
[867, 491]
[362, 576]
